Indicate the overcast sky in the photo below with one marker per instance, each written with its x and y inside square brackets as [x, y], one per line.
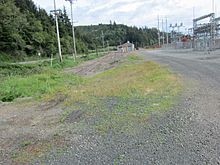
[135, 12]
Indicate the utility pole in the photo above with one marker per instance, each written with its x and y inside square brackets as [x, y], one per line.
[108, 45]
[103, 40]
[73, 30]
[162, 32]
[167, 31]
[213, 6]
[158, 30]
[57, 28]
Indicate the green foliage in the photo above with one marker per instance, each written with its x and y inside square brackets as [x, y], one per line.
[11, 24]
[28, 30]
[67, 63]
[5, 57]
[116, 34]
[13, 70]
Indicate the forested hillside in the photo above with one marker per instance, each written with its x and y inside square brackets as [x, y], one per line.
[116, 34]
[26, 30]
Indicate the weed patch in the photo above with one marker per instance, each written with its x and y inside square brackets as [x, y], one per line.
[122, 98]
[134, 57]
[36, 85]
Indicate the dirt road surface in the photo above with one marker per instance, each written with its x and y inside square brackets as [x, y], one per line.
[99, 65]
[188, 134]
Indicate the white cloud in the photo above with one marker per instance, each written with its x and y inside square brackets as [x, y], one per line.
[134, 12]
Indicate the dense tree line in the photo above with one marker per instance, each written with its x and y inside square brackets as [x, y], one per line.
[26, 29]
[116, 34]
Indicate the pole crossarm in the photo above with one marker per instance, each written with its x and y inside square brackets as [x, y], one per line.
[203, 17]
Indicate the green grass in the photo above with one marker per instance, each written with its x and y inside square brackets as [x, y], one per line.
[122, 98]
[134, 57]
[36, 85]
[8, 69]
[35, 80]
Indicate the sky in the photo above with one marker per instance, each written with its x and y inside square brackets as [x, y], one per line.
[140, 13]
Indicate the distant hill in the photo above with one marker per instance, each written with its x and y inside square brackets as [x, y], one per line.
[116, 34]
[26, 30]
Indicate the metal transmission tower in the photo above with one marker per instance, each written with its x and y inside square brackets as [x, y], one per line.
[56, 13]
[172, 32]
[205, 33]
[73, 30]
[179, 33]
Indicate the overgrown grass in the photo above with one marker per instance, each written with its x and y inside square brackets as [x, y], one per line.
[8, 69]
[36, 85]
[134, 57]
[123, 97]
[35, 80]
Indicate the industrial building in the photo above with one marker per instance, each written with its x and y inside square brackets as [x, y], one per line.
[126, 47]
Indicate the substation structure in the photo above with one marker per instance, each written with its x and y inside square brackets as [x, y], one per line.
[206, 34]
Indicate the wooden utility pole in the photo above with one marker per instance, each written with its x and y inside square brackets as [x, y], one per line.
[163, 32]
[58, 33]
[103, 40]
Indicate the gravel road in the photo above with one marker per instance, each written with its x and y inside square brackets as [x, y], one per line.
[188, 134]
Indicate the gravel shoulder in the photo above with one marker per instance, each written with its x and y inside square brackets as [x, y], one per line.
[187, 134]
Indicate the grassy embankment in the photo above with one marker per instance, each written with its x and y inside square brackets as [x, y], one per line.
[35, 80]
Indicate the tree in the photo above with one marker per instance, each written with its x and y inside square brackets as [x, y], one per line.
[12, 22]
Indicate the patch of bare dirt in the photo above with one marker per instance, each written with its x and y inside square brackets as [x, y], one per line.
[24, 124]
[99, 65]
[75, 116]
